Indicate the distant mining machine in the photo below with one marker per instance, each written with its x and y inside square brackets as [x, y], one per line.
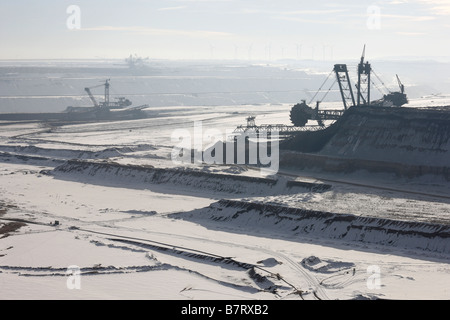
[302, 112]
[393, 99]
[107, 104]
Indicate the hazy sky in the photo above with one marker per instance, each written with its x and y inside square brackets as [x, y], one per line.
[224, 29]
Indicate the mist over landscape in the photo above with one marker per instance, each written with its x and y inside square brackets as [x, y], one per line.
[237, 152]
[51, 86]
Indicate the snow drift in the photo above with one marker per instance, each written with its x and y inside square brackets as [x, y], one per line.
[139, 176]
[62, 153]
[279, 221]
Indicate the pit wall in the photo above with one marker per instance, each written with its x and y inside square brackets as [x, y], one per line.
[291, 159]
[405, 141]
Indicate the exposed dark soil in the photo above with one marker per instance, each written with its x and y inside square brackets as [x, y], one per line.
[4, 208]
[405, 141]
[431, 123]
[10, 227]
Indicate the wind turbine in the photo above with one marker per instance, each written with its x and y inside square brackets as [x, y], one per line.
[211, 48]
[299, 51]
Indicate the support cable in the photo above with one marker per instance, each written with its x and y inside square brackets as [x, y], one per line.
[380, 81]
[382, 93]
[326, 93]
[312, 99]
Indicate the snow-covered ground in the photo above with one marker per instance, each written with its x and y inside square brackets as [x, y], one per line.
[128, 243]
[115, 228]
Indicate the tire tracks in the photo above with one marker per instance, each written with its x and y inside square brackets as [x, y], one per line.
[318, 292]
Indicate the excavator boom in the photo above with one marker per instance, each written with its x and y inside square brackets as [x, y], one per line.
[91, 96]
[104, 104]
[400, 84]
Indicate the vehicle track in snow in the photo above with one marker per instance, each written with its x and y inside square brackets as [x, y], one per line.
[318, 292]
[79, 225]
[311, 280]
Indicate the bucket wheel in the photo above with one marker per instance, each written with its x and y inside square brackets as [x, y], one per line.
[300, 114]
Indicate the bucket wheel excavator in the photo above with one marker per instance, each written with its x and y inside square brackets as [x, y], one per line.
[301, 113]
